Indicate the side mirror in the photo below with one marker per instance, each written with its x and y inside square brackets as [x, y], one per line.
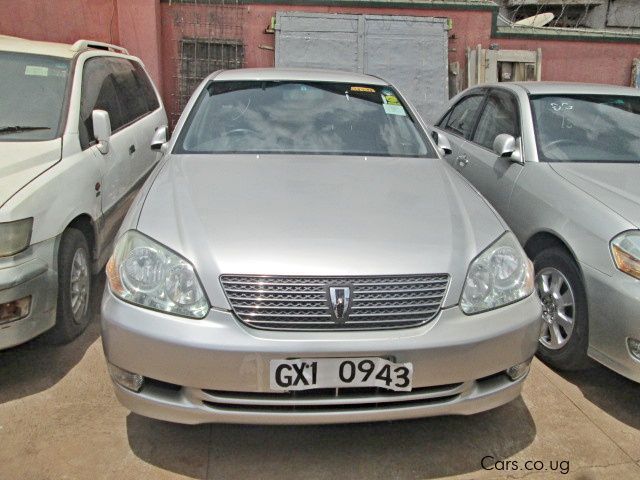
[159, 139]
[101, 129]
[442, 142]
[506, 146]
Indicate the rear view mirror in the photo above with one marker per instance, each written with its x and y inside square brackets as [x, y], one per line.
[159, 139]
[506, 146]
[101, 129]
[442, 142]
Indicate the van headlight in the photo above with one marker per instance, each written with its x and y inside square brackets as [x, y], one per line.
[143, 272]
[626, 252]
[500, 275]
[15, 236]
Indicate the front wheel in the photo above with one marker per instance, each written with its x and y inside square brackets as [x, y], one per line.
[74, 287]
[565, 332]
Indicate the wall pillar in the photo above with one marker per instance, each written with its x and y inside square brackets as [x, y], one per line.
[139, 29]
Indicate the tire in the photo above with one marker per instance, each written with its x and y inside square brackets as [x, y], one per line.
[74, 297]
[563, 344]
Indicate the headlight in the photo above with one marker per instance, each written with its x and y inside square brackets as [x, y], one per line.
[15, 236]
[500, 275]
[626, 252]
[145, 273]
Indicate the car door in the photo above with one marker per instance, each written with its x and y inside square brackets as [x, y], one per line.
[99, 93]
[457, 124]
[141, 109]
[492, 175]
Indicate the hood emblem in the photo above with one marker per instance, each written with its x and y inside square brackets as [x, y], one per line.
[340, 302]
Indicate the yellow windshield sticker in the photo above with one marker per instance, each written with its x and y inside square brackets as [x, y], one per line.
[391, 99]
[363, 89]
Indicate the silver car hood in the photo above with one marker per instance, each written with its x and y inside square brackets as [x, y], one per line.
[617, 185]
[317, 215]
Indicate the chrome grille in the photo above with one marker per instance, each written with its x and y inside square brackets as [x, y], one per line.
[302, 303]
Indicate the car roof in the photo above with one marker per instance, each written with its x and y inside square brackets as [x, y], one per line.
[53, 49]
[560, 88]
[301, 74]
[21, 45]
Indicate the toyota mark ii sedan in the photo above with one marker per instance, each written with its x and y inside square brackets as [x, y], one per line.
[561, 164]
[302, 254]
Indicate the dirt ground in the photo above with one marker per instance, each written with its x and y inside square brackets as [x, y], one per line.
[59, 419]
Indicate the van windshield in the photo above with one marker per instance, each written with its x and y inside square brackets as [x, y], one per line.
[301, 117]
[32, 93]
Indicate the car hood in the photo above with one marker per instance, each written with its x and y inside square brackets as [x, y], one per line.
[614, 184]
[317, 215]
[21, 162]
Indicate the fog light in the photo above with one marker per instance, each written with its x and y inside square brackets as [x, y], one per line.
[15, 310]
[128, 380]
[518, 371]
[634, 347]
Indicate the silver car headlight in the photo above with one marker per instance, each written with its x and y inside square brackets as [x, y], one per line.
[500, 275]
[143, 272]
[15, 236]
[625, 249]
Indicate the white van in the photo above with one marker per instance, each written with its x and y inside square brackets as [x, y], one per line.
[76, 122]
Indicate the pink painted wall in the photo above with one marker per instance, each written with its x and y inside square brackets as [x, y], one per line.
[60, 20]
[133, 24]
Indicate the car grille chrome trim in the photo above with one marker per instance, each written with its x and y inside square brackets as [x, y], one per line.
[302, 303]
[328, 398]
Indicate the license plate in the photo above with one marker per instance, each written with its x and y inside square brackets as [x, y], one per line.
[309, 373]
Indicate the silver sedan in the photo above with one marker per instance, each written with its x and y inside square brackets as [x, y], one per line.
[561, 164]
[303, 254]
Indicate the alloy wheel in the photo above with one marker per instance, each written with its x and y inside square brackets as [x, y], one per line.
[79, 284]
[558, 307]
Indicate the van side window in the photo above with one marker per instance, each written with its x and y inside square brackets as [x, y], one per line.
[146, 88]
[98, 93]
[131, 90]
[463, 115]
[500, 115]
[119, 86]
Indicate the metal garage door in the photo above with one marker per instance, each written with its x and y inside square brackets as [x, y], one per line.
[410, 52]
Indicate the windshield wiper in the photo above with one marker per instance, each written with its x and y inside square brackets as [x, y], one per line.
[20, 128]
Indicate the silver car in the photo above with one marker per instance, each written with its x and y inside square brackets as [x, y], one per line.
[302, 254]
[561, 164]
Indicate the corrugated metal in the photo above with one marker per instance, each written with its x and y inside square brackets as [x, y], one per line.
[410, 52]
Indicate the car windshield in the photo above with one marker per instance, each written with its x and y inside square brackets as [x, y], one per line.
[300, 117]
[587, 128]
[32, 92]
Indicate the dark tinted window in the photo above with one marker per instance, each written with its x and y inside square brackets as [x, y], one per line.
[98, 93]
[462, 117]
[118, 86]
[498, 116]
[32, 94]
[301, 117]
[146, 89]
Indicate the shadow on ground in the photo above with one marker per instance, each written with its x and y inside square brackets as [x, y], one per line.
[612, 393]
[412, 449]
[36, 366]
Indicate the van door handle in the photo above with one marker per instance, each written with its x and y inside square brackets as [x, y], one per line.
[462, 160]
[132, 149]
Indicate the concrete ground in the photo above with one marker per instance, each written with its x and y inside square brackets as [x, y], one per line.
[60, 420]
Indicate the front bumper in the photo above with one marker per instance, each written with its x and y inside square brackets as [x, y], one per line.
[30, 273]
[217, 369]
[614, 317]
